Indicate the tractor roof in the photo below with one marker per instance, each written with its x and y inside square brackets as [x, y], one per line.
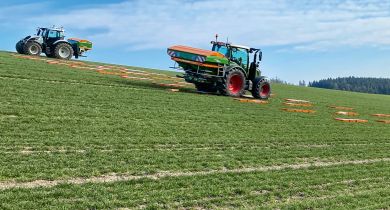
[240, 46]
[53, 28]
[232, 45]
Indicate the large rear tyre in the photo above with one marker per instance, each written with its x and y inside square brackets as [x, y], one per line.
[19, 47]
[234, 83]
[63, 51]
[206, 87]
[32, 48]
[261, 88]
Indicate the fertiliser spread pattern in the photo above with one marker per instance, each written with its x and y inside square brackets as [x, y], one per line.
[109, 136]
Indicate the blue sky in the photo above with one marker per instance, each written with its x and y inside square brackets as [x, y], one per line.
[301, 40]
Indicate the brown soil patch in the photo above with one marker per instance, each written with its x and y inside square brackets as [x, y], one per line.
[134, 70]
[381, 115]
[384, 121]
[184, 83]
[109, 72]
[53, 62]
[170, 85]
[347, 113]
[299, 110]
[298, 104]
[136, 78]
[139, 73]
[296, 100]
[250, 96]
[33, 58]
[256, 101]
[352, 120]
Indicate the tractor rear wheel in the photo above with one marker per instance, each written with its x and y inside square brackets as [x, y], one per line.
[233, 84]
[206, 87]
[261, 88]
[32, 48]
[63, 51]
[19, 47]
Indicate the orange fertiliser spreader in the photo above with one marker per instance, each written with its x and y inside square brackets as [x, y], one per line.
[195, 51]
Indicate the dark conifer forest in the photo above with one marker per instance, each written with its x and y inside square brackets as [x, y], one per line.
[356, 84]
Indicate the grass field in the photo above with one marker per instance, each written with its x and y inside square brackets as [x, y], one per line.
[76, 139]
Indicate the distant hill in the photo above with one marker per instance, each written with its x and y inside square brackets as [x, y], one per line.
[355, 84]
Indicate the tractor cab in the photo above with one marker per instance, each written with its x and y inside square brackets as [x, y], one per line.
[51, 35]
[235, 53]
[240, 55]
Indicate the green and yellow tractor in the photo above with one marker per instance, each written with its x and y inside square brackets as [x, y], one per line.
[52, 42]
[225, 69]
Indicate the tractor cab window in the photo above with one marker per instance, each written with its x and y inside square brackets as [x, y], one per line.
[61, 34]
[240, 56]
[221, 49]
[40, 32]
[53, 34]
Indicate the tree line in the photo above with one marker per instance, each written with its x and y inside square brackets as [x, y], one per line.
[279, 81]
[356, 84]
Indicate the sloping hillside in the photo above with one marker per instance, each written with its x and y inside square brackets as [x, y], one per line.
[78, 135]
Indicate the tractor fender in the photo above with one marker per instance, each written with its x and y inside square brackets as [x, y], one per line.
[61, 41]
[33, 39]
[236, 66]
[264, 78]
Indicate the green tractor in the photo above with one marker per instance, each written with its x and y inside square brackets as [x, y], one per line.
[225, 69]
[52, 42]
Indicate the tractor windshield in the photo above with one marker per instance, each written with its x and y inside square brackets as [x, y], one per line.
[240, 56]
[222, 49]
[52, 34]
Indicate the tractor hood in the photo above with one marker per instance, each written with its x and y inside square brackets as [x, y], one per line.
[195, 56]
[27, 38]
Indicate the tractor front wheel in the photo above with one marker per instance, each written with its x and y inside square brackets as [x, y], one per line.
[63, 51]
[32, 48]
[234, 83]
[261, 88]
[19, 47]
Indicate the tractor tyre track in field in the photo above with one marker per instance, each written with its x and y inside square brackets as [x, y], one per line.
[110, 178]
[69, 82]
[298, 197]
[34, 149]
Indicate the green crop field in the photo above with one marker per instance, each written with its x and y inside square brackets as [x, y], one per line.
[74, 138]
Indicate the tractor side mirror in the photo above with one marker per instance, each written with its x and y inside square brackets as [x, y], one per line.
[260, 55]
